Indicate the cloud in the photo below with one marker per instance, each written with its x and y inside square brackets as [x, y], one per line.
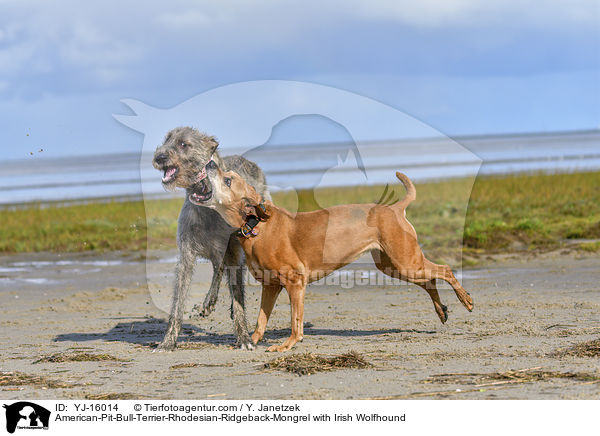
[14, 58]
[182, 20]
[476, 13]
[114, 42]
[96, 51]
[53, 54]
[65, 37]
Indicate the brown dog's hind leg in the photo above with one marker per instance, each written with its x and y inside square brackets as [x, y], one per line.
[440, 308]
[385, 265]
[297, 308]
[444, 272]
[425, 278]
[267, 302]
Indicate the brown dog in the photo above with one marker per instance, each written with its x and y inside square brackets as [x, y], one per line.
[285, 250]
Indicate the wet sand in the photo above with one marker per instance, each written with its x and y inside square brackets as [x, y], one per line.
[526, 308]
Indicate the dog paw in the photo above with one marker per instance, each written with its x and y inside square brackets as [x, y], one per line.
[245, 346]
[202, 311]
[278, 348]
[206, 311]
[164, 347]
[467, 301]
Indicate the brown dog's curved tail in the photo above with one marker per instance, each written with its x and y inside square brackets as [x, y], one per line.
[411, 192]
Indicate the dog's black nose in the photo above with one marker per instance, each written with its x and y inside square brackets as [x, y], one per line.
[161, 158]
[211, 165]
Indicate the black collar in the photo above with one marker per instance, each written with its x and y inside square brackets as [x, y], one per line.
[247, 229]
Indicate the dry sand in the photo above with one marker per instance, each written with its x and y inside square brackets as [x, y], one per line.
[526, 309]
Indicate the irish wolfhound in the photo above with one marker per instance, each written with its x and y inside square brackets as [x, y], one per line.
[201, 232]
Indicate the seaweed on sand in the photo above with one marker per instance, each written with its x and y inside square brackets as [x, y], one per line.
[309, 363]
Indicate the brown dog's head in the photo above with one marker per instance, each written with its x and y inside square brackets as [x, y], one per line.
[183, 155]
[231, 196]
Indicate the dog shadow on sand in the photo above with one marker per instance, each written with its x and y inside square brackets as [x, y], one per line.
[150, 331]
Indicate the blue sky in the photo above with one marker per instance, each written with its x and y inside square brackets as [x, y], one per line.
[462, 66]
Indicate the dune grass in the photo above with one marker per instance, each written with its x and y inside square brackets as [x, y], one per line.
[504, 214]
[535, 212]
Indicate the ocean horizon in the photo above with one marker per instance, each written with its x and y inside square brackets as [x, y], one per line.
[130, 175]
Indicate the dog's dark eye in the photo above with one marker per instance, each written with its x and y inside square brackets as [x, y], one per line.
[183, 144]
[227, 181]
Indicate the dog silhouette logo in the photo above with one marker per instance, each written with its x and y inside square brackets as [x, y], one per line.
[246, 116]
[26, 415]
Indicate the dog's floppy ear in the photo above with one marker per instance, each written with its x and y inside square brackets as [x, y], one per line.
[261, 212]
[257, 210]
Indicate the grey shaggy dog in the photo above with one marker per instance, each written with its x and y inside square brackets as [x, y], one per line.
[201, 232]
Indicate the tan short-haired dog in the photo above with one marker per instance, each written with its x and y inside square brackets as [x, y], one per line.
[286, 250]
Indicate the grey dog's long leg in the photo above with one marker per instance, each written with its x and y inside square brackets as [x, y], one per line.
[235, 269]
[183, 277]
[213, 293]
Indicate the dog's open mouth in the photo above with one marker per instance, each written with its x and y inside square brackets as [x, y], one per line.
[170, 174]
[201, 194]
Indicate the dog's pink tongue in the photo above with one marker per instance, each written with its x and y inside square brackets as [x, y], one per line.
[169, 175]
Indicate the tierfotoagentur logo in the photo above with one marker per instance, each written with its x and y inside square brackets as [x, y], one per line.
[246, 118]
[26, 416]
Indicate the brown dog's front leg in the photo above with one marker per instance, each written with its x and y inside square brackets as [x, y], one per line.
[297, 309]
[267, 302]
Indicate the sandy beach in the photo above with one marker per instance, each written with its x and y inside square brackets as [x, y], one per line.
[528, 311]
